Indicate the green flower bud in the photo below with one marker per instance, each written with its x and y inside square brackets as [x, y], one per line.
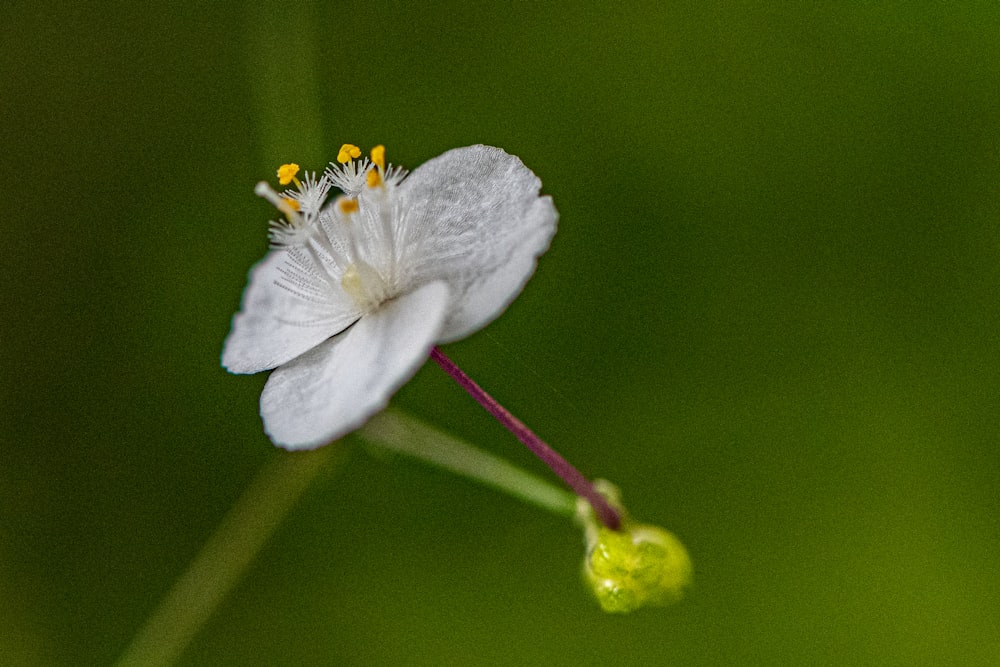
[635, 566]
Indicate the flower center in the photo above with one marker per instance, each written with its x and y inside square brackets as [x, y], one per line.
[364, 285]
[347, 244]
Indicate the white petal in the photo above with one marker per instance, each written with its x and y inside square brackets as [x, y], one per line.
[334, 388]
[473, 218]
[274, 324]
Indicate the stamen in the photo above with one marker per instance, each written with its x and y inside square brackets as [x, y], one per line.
[264, 190]
[378, 156]
[347, 205]
[349, 177]
[374, 178]
[286, 174]
[347, 153]
[291, 202]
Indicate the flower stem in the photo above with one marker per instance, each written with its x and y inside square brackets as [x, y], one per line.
[550, 457]
[396, 431]
[225, 557]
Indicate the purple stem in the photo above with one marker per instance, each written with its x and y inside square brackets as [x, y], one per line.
[560, 466]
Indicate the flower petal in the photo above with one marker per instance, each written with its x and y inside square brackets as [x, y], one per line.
[334, 388]
[274, 324]
[473, 218]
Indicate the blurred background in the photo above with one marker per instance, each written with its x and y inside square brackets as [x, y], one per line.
[770, 316]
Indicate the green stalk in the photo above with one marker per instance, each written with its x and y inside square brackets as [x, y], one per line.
[281, 70]
[396, 431]
[225, 557]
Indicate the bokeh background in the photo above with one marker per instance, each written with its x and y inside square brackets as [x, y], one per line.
[770, 315]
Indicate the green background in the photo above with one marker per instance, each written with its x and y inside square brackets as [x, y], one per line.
[770, 315]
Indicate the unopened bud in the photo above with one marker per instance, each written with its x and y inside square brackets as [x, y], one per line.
[635, 566]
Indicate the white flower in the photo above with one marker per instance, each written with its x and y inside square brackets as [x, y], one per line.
[355, 292]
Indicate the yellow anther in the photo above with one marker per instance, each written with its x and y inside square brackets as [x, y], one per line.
[374, 179]
[378, 157]
[292, 203]
[287, 172]
[347, 153]
[347, 205]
